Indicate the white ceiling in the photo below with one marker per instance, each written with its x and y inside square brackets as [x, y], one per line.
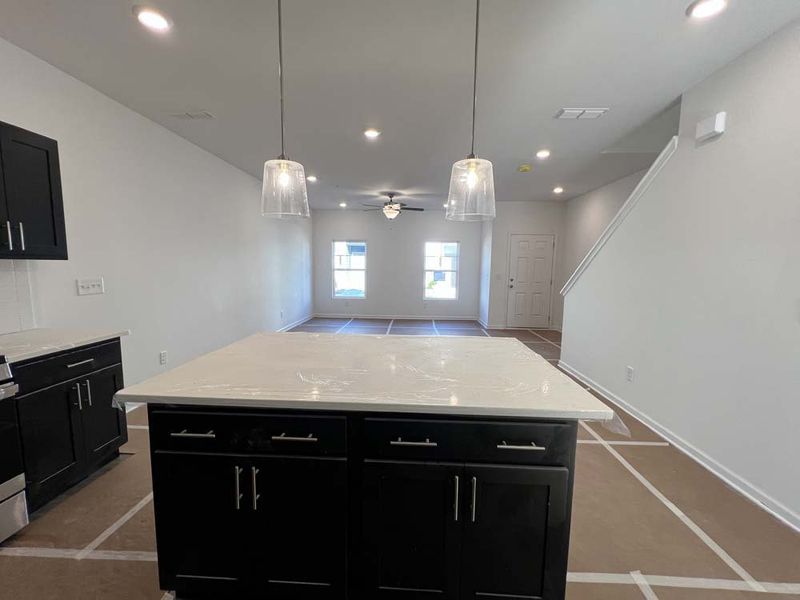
[404, 67]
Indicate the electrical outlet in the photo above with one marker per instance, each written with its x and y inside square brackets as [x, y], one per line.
[629, 373]
[162, 357]
[281, 316]
[88, 287]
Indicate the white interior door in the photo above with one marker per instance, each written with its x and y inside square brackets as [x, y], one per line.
[530, 280]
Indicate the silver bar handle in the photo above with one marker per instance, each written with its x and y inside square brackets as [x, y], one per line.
[473, 508]
[455, 501]
[80, 399]
[400, 442]
[256, 495]
[188, 434]
[9, 236]
[288, 438]
[237, 471]
[22, 235]
[532, 446]
[80, 363]
[88, 392]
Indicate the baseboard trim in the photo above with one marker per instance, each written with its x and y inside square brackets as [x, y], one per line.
[295, 324]
[777, 509]
[342, 316]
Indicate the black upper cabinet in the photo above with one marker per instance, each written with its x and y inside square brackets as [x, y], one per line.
[31, 205]
[412, 529]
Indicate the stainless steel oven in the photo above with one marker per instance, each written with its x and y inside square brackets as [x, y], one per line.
[13, 505]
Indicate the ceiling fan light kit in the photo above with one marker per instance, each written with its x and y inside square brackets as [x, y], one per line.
[471, 195]
[283, 192]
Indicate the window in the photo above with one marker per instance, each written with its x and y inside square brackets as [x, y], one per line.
[349, 269]
[441, 270]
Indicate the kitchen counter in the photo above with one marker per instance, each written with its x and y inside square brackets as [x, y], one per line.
[439, 375]
[32, 343]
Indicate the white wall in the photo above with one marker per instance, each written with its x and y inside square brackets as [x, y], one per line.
[699, 288]
[521, 217]
[586, 217]
[486, 272]
[395, 263]
[189, 263]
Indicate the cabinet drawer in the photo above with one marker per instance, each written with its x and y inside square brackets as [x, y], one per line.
[243, 433]
[479, 441]
[43, 372]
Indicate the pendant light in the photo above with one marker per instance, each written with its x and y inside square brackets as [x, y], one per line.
[471, 196]
[283, 192]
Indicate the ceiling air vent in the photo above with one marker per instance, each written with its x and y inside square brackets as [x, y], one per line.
[581, 113]
[192, 115]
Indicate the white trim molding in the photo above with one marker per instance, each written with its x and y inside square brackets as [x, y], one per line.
[624, 211]
[296, 323]
[741, 485]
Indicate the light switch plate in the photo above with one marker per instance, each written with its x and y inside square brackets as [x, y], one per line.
[88, 287]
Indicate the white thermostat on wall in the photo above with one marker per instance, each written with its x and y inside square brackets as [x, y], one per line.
[711, 127]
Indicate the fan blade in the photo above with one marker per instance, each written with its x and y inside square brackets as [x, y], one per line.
[370, 209]
[418, 209]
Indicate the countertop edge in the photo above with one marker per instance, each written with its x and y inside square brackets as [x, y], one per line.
[14, 358]
[381, 407]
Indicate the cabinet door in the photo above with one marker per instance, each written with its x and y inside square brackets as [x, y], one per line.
[35, 210]
[412, 529]
[200, 509]
[515, 532]
[298, 534]
[52, 441]
[104, 426]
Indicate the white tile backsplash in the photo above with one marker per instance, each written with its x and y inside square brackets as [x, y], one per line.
[16, 305]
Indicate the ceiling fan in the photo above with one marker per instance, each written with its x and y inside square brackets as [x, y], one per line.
[391, 209]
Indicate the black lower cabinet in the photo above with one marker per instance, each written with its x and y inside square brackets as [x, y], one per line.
[412, 529]
[200, 519]
[68, 430]
[52, 442]
[298, 527]
[104, 424]
[251, 527]
[513, 525]
[291, 506]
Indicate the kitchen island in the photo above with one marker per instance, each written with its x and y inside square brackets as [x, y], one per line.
[320, 466]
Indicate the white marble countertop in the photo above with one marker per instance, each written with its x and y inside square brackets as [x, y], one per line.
[443, 375]
[32, 343]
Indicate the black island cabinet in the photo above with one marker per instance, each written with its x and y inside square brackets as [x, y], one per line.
[257, 503]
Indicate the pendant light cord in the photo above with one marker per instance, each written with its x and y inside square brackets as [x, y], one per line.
[280, 77]
[474, 76]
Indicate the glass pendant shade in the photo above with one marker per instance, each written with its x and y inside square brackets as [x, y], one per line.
[283, 192]
[391, 211]
[471, 196]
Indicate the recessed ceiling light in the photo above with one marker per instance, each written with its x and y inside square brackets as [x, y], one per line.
[444, 205]
[371, 133]
[543, 153]
[558, 190]
[342, 204]
[152, 19]
[312, 178]
[703, 9]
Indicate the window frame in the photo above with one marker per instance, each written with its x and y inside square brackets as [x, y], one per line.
[334, 269]
[457, 270]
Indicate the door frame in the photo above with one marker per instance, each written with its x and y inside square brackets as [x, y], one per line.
[552, 274]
